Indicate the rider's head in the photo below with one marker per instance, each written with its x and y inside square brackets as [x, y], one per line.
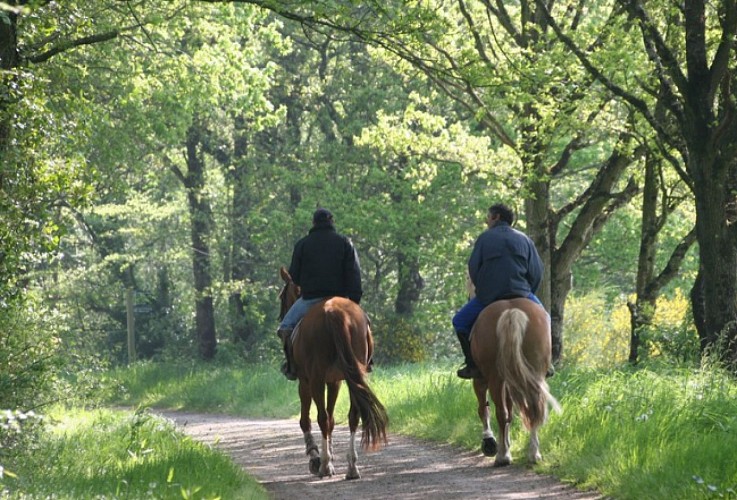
[322, 216]
[500, 212]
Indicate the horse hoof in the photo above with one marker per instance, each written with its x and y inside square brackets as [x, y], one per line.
[488, 446]
[329, 471]
[502, 462]
[315, 466]
[353, 475]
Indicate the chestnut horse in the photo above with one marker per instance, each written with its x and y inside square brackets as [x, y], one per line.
[510, 343]
[333, 343]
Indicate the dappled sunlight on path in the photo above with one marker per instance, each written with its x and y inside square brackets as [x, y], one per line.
[273, 452]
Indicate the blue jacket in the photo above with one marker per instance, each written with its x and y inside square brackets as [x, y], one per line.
[504, 263]
[325, 264]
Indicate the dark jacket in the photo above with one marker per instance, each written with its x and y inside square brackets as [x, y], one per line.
[325, 264]
[504, 264]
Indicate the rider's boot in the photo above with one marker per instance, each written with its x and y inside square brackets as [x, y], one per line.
[470, 370]
[287, 368]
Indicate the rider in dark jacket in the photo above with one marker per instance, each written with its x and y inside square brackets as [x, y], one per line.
[504, 264]
[324, 264]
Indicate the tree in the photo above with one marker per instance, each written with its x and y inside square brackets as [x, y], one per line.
[660, 200]
[525, 95]
[696, 72]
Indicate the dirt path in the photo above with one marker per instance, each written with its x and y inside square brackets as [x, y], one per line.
[273, 452]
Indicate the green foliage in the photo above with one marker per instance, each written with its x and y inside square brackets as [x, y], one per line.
[19, 435]
[660, 434]
[117, 455]
[28, 360]
[596, 333]
[672, 334]
[400, 340]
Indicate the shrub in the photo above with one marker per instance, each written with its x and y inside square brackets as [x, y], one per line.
[19, 431]
[597, 333]
[399, 340]
[673, 333]
[28, 361]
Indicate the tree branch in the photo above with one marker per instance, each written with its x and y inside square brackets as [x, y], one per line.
[674, 264]
[70, 44]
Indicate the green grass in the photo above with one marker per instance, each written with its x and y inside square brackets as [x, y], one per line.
[113, 454]
[646, 433]
[655, 434]
[630, 434]
[258, 390]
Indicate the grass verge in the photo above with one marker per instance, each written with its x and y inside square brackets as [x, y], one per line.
[113, 454]
[629, 433]
[657, 432]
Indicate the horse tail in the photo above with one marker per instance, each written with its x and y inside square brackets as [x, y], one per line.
[374, 418]
[526, 387]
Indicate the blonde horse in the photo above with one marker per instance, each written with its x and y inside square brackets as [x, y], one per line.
[510, 343]
[333, 343]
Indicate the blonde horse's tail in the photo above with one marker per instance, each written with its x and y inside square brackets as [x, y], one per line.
[525, 385]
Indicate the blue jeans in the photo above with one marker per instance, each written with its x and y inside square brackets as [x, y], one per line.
[297, 312]
[465, 318]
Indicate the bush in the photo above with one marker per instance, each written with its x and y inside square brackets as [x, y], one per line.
[19, 432]
[28, 361]
[673, 333]
[597, 333]
[399, 340]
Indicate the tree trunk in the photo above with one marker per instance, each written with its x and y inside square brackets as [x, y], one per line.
[698, 308]
[201, 228]
[537, 213]
[8, 62]
[130, 324]
[718, 254]
[410, 284]
[642, 310]
[597, 204]
[242, 329]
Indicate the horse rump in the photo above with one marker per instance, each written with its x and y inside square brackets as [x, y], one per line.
[524, 382]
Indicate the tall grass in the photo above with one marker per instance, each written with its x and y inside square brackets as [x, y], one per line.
[109, 454]
[655, 432]
[256, 390]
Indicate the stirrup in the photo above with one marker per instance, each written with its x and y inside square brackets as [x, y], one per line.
[285, 370]
[469, 372]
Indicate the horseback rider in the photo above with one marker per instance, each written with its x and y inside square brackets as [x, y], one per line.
[504, 264]
[324, 264]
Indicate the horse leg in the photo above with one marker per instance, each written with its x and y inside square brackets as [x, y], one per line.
[333, 390]
[305, 424]
[488, 442]
[503, 404]
[353, 417]
[324, 421]
[533, 451]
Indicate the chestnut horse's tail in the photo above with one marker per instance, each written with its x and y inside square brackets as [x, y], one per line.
[373, 414]
[526, 386]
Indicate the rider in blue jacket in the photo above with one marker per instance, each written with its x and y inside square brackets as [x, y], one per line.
[504, 264]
